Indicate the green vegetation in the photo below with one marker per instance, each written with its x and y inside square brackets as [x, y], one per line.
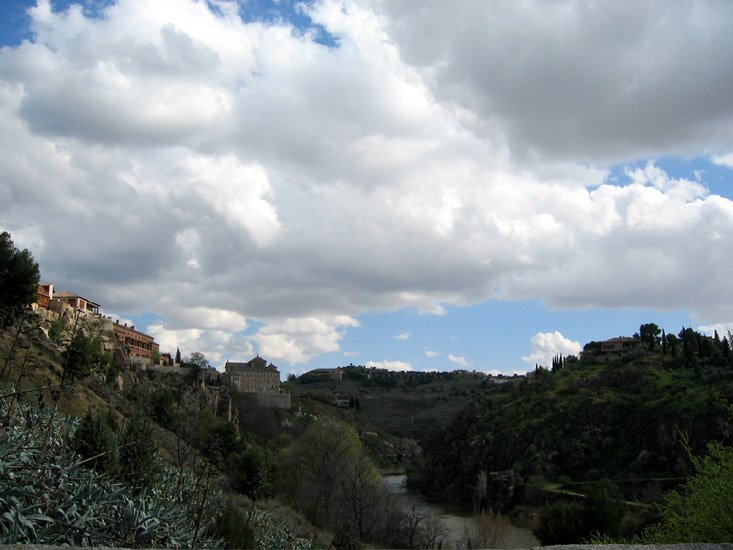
[595, 442]
[85, 355]
[49, 496]
[409, 405]
[602, 511]
[19, 278]
[629, 419]
[702, 510]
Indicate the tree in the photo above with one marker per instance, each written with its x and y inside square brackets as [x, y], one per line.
[649, 334]
[334, 484]
[601, 513]
[701, 512]
[664, 343]
[19, 279]
[178, 356]
[198, 359]
[84, 355]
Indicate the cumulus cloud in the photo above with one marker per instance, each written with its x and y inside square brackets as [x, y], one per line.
[458, 360]
[390, 365]
[724, 160]
[545, 345]
[403, 336]
[597, 82]
[298, 340]
[218, 346]
[171, 157]
[431, 353]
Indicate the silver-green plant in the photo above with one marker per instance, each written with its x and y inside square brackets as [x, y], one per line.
[51, 498]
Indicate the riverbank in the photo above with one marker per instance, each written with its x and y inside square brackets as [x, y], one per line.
[461, 529]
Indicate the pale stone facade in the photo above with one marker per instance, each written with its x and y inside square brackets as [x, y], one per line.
[255, 376]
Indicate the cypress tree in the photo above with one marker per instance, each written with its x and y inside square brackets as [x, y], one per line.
[664, 343]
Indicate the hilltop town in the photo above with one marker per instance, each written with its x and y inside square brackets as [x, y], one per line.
[66, 312]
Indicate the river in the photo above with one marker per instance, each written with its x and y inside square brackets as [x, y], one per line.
[459, 524]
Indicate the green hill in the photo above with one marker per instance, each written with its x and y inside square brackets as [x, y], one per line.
[630, 418]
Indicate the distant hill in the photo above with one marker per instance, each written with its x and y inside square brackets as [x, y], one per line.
[632, 416]
[403, 404]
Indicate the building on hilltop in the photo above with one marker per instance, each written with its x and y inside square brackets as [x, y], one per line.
[325, 374]
[258, 378]
[64, 299]
[617, 345]
[137, 346]
[44, 295]
[255, 376]
[608, 350]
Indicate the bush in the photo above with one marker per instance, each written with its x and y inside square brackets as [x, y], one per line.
[97, 443]
[163, 405]
[84, 355]
[703, 510]
[601, 513]
[234, 526]
[48, 497]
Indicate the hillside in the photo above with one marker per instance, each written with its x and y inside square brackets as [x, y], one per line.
[404, 404]
[146, 459]
[629, 419]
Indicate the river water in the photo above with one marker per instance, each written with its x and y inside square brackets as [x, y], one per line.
[458, 522]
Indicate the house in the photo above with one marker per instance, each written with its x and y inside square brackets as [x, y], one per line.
[62, 300]
[617, 345]
[44, 295]
[340, 400]
[139, 346]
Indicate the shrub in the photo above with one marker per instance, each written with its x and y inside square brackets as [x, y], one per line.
[49, 497]
[703, 510]
[97, 443]
[601, 513]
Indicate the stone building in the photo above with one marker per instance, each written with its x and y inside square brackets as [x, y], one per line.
[254, 376]
[257, 378]
[44, 295]
[138, 346]
[68, 300]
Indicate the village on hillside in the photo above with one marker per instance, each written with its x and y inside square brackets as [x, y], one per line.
[255, 377]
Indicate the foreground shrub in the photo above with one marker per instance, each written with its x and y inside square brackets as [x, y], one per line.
[48, 497]
[703, 510]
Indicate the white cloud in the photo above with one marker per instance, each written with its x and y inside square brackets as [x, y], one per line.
[390, 365]
[298, 340]
[431, 354]
[722, 328]
[169, 157]
[724, 160]
[545, 345]
[219, 346]
[403, 336]
[458, 360]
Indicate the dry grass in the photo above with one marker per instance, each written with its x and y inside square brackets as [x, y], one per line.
[491, 531]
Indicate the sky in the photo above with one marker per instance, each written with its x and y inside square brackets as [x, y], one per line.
[415, 186]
